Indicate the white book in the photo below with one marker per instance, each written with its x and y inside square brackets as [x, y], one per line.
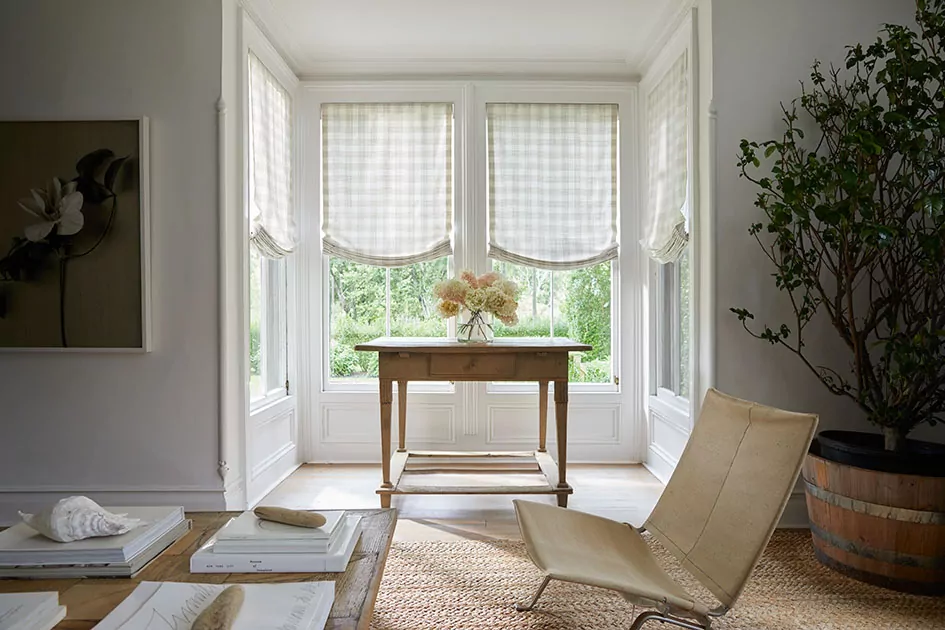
[30, 611]
[101, 569]
[22, 545]
[248, 527]
[207, 560]
[298, 606]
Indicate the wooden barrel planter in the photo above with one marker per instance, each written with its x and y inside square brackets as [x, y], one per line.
[882, 528]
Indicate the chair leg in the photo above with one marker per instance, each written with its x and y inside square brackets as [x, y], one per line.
[531, 604]
[652, 615]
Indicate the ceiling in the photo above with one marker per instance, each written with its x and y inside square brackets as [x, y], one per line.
[330, 37]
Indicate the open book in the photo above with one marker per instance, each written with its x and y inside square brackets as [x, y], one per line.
[175, 606]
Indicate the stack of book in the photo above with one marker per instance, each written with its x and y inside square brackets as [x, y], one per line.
[25, 553]
[300, 606]
[248, 544]
[30, 611]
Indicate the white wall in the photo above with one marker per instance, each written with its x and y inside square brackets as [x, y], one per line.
[761, 49]
[139, 423]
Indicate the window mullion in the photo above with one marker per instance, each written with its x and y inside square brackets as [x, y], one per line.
[387, 307]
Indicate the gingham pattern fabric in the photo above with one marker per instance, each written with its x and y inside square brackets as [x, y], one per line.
[667, 133]
[387, 178]
[272, 220]
[552, 184]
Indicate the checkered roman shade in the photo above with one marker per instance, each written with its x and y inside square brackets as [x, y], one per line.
[667, 137]
[552, 184]
[387, 182]
[272, 220]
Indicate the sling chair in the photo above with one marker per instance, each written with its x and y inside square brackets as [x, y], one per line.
[715, 516]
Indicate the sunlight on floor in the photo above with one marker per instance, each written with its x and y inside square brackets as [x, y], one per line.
[623, 493]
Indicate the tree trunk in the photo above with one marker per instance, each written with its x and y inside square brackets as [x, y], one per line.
[895, 438]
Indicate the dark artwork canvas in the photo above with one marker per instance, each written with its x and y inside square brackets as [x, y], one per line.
[73, 235]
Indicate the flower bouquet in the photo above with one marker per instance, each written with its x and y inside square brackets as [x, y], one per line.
[479, 299]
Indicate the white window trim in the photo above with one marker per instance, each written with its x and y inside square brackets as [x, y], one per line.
[255, 42]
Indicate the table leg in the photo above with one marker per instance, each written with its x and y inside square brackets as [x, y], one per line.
[387, 393]
[542, 414]
[561, 424]
[402, 416]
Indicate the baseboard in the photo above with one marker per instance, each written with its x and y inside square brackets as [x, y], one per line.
[33, 500]
[795, 513]
[659, 463]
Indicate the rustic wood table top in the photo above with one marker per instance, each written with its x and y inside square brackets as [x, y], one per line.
[89, 600]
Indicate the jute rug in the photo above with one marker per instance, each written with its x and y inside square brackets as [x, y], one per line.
[472, 585]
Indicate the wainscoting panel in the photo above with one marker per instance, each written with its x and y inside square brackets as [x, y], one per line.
[273, 451]
[428, 424]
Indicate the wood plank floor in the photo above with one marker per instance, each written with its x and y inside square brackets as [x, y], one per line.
[623, 493]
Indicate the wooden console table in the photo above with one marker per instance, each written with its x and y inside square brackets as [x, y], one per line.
[404, 359]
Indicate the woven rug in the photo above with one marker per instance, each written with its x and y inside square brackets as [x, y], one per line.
[472, 585]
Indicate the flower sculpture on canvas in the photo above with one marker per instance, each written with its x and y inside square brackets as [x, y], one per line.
[488, 295]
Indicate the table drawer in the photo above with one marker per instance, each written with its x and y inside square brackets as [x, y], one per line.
[473, 365]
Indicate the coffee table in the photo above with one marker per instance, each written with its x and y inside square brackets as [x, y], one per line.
[89, 600]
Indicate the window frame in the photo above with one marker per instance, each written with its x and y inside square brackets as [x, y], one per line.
[279, 278]
[668, 347]
[274, 298]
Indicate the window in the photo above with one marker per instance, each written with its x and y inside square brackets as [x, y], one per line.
[267, 327]
[272, 236]
[369, 302]
[574, 304]
[666, 242]
[673, 359]
[553, 222]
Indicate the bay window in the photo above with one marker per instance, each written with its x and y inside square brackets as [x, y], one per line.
[399, 213]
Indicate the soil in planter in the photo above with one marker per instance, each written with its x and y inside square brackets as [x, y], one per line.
[866, 450]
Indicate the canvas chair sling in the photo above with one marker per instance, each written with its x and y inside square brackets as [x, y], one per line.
[715, 516]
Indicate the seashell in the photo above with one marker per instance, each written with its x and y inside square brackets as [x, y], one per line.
[222, 611]
[299, 518]
[78, 518]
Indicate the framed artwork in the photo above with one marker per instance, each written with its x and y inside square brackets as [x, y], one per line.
[74, 236]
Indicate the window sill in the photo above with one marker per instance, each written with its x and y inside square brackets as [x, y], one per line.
[414, 387]
[267, 403]
[673, 408]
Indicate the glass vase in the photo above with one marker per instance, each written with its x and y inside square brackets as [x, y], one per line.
[474, 327]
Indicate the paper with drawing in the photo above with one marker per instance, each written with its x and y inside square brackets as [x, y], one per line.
[175, 606]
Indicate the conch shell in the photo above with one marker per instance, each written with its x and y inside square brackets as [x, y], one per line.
[78, 518]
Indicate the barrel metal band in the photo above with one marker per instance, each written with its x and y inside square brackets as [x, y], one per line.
[881, 555]
[921, 517]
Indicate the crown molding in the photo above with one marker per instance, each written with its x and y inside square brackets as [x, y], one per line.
[667, 26]
[595, 69]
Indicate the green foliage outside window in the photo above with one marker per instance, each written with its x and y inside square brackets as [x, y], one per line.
[358, 312]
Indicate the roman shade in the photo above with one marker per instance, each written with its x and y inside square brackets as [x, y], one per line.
[552, 183]
[387, 180]
[272, 220]
[667, 138]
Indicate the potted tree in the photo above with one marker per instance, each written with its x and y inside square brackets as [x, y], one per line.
[853, 204]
